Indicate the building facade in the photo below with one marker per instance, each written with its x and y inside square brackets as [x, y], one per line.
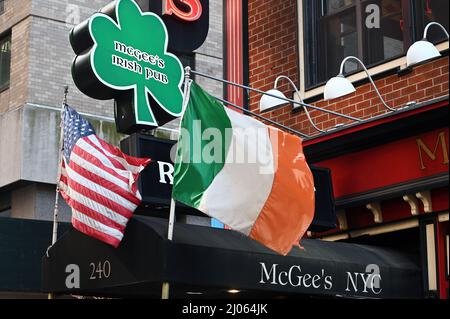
[389, 161]
[390, 168]
[35, 65]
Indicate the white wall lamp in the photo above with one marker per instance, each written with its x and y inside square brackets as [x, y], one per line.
[424, 50]
[269, 102]
[340, 86]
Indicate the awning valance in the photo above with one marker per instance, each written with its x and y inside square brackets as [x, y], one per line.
[209, 261]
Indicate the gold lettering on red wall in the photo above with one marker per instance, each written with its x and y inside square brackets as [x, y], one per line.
[423, 148]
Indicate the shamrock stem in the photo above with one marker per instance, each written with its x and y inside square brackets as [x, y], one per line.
[144, 114]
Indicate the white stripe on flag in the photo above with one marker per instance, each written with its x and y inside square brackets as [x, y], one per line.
[121, 160]
[96, 225]
[95, 206]
[102, 158]
[240, 210]
[98, 171]
[116, 198]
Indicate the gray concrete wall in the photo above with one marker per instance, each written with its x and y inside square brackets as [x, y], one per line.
[23, 202]
[10, 147]
[45, 204]
[51, 55]
[37, 201]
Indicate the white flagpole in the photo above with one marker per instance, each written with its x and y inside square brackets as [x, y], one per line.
[56, 210]
[166, 286]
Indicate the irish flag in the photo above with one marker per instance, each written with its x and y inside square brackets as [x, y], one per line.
[252, 177]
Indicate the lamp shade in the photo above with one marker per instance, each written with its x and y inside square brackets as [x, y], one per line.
[421, 51]
[269, 102]
[337, 87]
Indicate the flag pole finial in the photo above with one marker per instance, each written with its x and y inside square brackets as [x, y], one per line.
[187, 73]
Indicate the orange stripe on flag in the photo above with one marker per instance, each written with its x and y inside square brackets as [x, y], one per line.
[289, 209]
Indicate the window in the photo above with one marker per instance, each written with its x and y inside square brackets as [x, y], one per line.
[2, 6]
[5, 62]
[376, 31]
[432, 10]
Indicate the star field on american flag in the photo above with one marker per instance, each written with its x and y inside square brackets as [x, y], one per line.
[75, 127]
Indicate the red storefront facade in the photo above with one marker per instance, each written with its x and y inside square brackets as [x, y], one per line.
[390, 172]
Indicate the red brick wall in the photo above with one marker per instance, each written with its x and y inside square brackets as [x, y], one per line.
[273, 51]
[272, 47]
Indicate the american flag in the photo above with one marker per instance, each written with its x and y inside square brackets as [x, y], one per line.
[98, 181]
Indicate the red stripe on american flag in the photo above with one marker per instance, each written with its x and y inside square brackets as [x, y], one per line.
[96, 216]
[105, 183]
[96, 197]
[113, 161]
[95, 161]
[63, 193]
[131, 160]
[85, 229]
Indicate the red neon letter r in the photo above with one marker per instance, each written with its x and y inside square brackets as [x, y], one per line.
[194, 13]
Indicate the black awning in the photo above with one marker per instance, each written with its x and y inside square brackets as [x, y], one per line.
[212, 261]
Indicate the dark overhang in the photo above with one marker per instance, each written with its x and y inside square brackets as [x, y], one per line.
[379, 130]
[208, 262]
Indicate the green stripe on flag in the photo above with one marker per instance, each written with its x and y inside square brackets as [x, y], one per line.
[193, 175]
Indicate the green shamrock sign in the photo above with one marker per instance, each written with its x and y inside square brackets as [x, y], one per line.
[131, 54]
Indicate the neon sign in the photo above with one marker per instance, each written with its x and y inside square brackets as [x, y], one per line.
[193, 14]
